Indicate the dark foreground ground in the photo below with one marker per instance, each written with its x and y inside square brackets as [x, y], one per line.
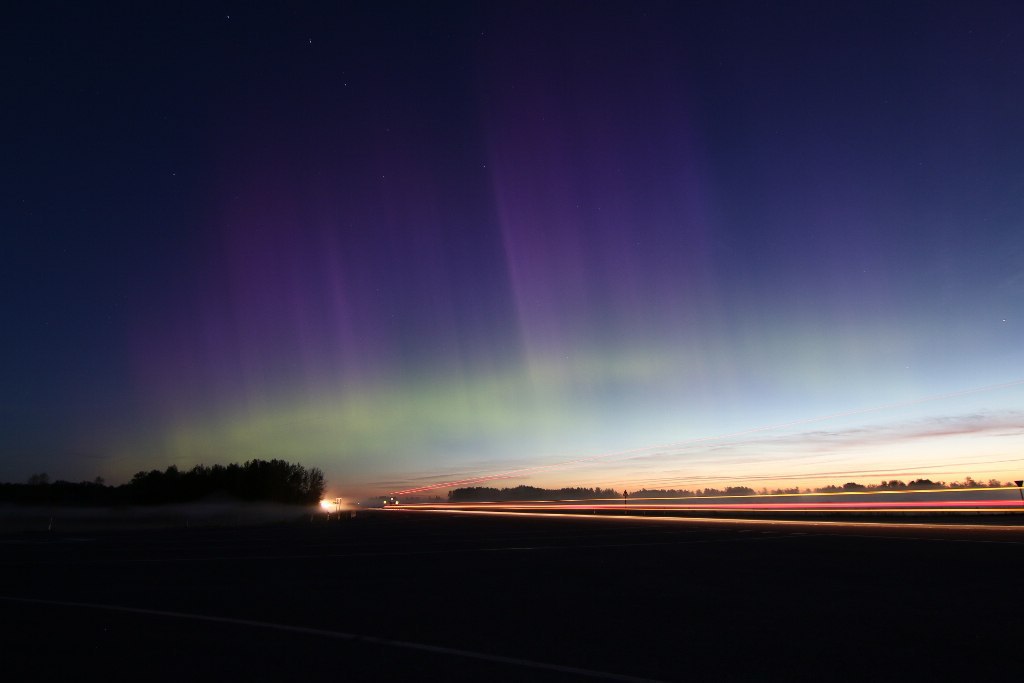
[398, 596]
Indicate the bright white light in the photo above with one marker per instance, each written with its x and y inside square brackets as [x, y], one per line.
[327, 505]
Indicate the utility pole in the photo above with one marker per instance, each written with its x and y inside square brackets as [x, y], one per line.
[1020, 483]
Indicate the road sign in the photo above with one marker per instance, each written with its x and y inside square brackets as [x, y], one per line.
[1019, 483]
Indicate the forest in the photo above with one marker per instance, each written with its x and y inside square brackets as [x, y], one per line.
[275, 481]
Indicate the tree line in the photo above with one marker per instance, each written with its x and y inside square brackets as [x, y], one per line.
[890, 485]
[275, 481]
[478, 494]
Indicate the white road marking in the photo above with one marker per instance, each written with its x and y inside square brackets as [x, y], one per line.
[337, 635]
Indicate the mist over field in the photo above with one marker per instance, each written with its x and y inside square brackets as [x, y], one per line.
[16, 518]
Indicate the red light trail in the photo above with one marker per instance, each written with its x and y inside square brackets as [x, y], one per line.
[927, 500]
[1008, 504]
[1014, 531]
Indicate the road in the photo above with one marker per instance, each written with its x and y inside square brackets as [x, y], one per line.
[398, 595]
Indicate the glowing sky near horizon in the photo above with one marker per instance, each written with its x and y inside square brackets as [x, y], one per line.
[415, 245]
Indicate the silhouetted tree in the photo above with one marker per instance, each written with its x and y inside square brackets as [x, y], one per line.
[739, 491]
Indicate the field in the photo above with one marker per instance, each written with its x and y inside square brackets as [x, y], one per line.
[401, 595]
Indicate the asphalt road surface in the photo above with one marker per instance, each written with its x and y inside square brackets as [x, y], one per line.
[400, 595]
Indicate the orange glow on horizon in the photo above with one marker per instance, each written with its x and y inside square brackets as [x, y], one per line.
[631, 453]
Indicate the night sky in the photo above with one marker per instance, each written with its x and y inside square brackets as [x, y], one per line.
[428, 242]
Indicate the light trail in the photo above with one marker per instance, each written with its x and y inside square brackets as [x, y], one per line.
[732, 521]
[636, 452]
[1010, 505]
[948, 500]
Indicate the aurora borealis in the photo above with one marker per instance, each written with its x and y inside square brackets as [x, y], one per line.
[414, 244]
